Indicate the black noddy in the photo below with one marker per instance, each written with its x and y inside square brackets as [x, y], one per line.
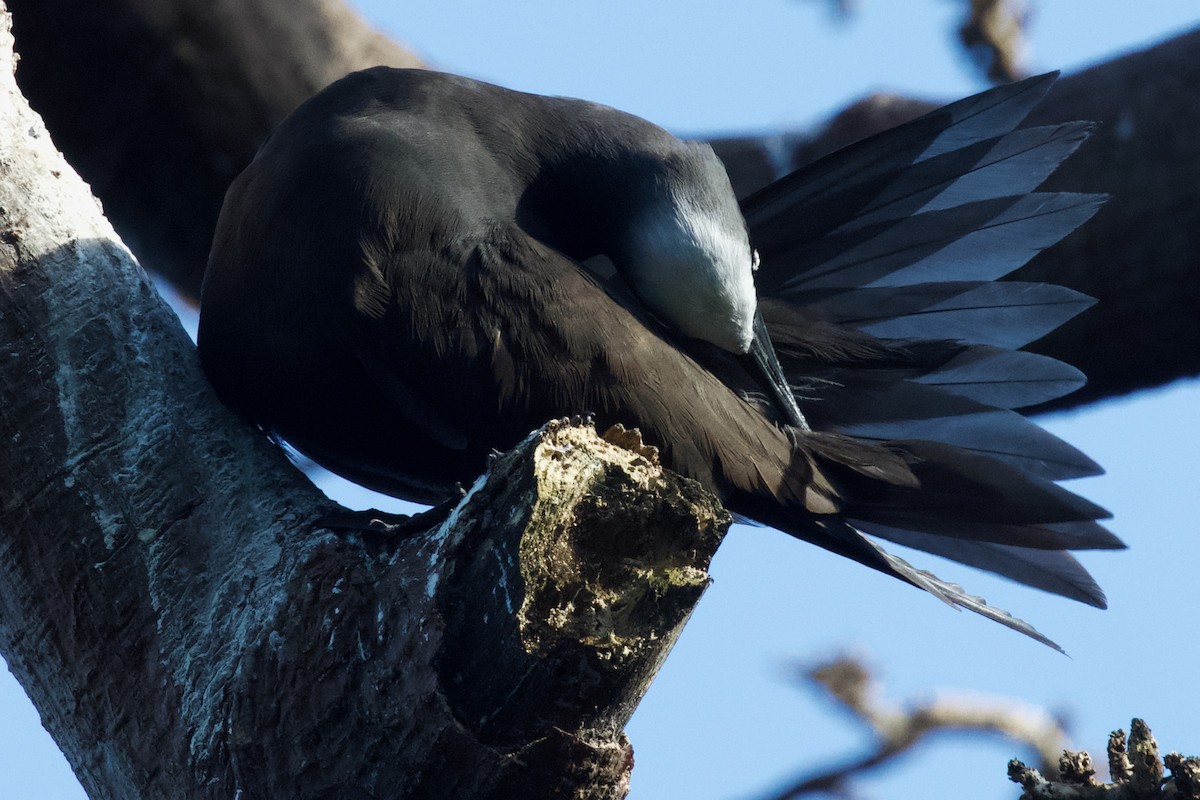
[418, 269]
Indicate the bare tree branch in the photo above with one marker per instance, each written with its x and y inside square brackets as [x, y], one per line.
[992, 31]
[187, 629]
[898, 729]
[1135, 767]
[158, 103]
[994, 35]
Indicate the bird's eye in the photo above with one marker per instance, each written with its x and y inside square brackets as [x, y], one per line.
[754, 260]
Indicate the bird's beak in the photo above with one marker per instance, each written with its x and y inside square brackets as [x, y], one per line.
[770, 374]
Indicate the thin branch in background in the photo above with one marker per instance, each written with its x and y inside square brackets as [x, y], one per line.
[994, 37]
[898, 729]
[993, 34]
[1134, 765]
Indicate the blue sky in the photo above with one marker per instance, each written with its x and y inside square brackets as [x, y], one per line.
[724, 719]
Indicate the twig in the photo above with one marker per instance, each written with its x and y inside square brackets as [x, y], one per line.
[1136, 769]
[897, 730]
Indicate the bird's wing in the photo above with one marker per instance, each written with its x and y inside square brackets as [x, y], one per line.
[545, 339]
[876, 278]
[521, 334]
[1054, 571]
[954, 157]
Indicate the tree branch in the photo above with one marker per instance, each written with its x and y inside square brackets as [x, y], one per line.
[197, 85]
[1136, 769]
[159, 104]
[899, 730]
[186, 628]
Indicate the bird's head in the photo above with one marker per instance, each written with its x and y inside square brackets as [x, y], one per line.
[687, 254]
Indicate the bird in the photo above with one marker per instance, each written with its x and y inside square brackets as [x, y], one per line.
[417, 269]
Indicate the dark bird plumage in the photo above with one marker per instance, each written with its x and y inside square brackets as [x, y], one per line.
[418, 268]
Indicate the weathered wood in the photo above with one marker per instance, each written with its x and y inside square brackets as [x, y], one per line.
[160, 103]
[187, 629]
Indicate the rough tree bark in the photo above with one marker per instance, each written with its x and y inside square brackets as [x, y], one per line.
[158, 103]
[187, 629]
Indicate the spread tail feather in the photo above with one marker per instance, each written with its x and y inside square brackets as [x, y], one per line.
[841, 538]
[877, 284]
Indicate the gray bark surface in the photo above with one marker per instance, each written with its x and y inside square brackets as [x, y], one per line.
[158, 104]
[187, 629]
